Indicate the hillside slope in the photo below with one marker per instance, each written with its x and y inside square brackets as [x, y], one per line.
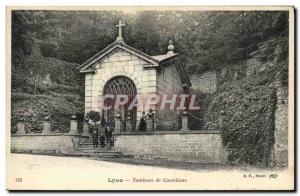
[54, 88]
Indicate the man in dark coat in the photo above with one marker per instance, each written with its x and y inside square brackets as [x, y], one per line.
[108, 134]
[94, 134]
[102, 140]
[112, 142]
[103, 121]
[143, 123]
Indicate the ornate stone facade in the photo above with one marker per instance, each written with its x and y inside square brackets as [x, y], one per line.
[161, 74]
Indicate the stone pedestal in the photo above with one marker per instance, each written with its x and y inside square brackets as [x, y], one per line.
[118, 125]
[85, 129]
[46, 127]
[184, 123]
[129, 126]
[73, 127]
[150, 125]
[21, 128]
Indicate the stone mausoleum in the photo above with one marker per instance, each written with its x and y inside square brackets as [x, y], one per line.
[122, 69]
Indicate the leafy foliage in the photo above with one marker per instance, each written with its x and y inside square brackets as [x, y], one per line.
[205, 40]
[34, 108]
[248, 123]
[94, 116]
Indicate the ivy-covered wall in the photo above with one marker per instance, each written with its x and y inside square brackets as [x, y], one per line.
[247, 108]
[246, 121]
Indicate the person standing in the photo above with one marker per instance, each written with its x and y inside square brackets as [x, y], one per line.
[143, 123]
[103, 121]
[91, 122]
[102, 140]
[94, 134]
[86, 118]
[108, 135]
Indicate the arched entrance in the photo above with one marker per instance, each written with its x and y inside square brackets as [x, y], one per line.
[120, 85]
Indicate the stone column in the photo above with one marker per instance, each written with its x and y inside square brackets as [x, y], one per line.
[73, 126]
[118, 124]
[184, 122]
[21, 128]
[86, 129]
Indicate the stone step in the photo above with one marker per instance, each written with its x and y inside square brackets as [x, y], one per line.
[98, 155]
[81, 143]
[89, 147]
[99, 150]
[92, 147]
[95, 149]
[85, 143]
[86, 146]
[86, 140]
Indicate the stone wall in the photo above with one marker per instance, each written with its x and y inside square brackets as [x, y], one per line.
[169, 83]
[205, 82]
[280, 153]
[185, 146]
[188, 146]
[42, 142]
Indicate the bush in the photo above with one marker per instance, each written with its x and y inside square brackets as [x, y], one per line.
[94, 116]
[34, 108]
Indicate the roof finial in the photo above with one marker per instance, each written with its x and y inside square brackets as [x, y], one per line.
[170, 48]
[120, 25]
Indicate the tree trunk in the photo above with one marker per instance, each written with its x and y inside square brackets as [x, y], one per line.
[34, 79]
[227, 56]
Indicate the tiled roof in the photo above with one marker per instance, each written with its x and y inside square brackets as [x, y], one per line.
[163, 57]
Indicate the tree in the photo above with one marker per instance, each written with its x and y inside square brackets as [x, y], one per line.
[33, 62]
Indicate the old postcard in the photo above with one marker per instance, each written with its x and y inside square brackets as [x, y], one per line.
[150, 98]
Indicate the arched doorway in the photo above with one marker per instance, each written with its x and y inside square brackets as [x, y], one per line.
[120, 85]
